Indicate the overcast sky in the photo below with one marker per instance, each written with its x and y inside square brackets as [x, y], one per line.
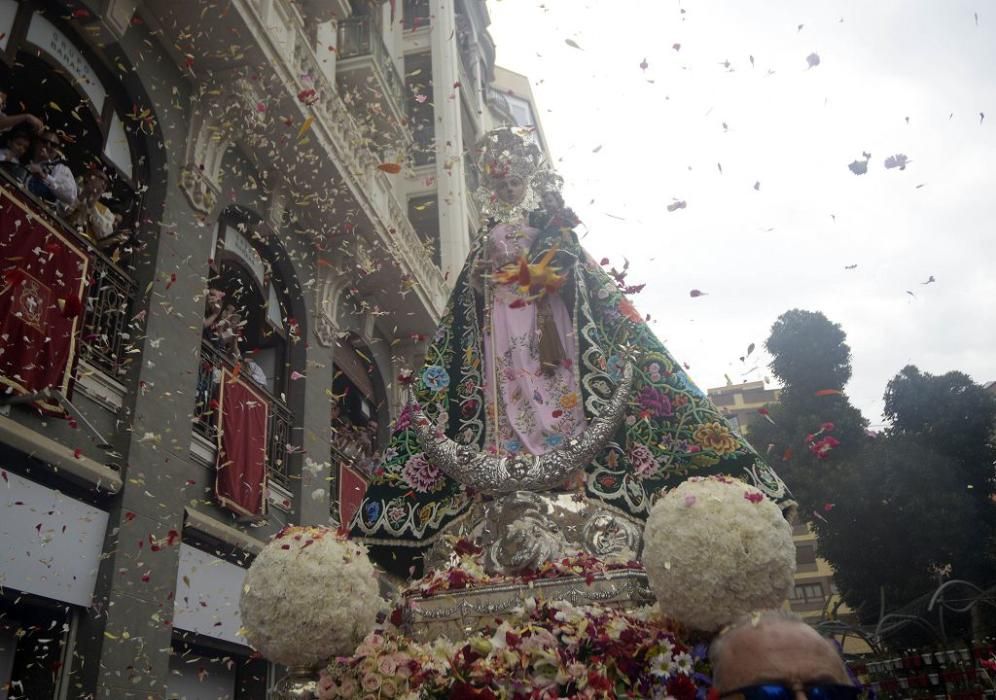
[894, 77]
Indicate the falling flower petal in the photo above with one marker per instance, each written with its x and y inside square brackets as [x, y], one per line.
[897, 161]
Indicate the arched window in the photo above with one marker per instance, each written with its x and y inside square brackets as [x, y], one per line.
[360, 417]
[247, 334]
[355, 420]
[48, 70]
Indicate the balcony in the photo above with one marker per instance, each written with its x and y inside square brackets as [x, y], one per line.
[365, 68]
[278, 429]
[281, 46]
[104, 343]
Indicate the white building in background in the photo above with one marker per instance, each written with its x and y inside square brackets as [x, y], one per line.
[306, 158]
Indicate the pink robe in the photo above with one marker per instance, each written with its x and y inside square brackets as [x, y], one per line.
[537, 411]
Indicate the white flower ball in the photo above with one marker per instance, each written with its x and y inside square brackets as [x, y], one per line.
[716, 548]
[308, 596]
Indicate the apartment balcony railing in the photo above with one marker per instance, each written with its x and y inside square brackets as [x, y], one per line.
[278, 429]
[496, 100]
[109, 295]
[287, 42]
[362, 52]
[108, 308]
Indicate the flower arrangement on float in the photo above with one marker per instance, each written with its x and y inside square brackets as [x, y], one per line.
[466, 570]
[715, 548]
[309, 595]
[542, 650]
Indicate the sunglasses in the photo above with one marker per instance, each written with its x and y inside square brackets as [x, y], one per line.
[780, 691]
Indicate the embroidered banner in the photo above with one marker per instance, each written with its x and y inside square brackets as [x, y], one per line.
[41, 301]
[240, 478]
[352, 486]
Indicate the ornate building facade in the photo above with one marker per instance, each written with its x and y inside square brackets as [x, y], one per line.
[287, 198]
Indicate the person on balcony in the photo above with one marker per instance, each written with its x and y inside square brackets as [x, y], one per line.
[255, 372]
[50, 177]
[224, 328]
[214, 300]
[12, 121]
[93, 218]
[16, 144]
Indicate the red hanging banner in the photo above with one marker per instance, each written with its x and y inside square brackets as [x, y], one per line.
[43, 277]
[352, 486]
[240, 478]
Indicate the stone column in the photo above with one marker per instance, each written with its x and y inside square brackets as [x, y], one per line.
[454, 240]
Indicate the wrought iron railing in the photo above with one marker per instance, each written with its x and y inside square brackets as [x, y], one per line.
[424, 149]
[278, 429]
[108, 308]
[358, 36]
[499, 102]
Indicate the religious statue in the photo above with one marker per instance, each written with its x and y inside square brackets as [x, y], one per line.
[547, 416]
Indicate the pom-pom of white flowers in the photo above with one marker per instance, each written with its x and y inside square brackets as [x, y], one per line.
[716, 548]
[308, 596]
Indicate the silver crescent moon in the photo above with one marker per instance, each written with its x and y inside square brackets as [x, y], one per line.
[493, 474]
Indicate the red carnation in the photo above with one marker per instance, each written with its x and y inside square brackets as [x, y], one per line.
[465, 691]
[458, 578]
[596, 681]
[681, 687]
[465, 546]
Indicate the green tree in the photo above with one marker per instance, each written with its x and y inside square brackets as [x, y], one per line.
[813, 362]
[900, 513]
[952, 414]
[892, 510]
[809, 352]
[918, 498]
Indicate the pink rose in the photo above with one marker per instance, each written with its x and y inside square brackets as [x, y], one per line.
[347, 688]
[387, 666]
[371, 682]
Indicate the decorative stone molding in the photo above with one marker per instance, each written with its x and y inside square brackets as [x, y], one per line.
[117, 15]
[201, 192]
[278, 214]
[325, 331]
[331, 286]
[200, 177]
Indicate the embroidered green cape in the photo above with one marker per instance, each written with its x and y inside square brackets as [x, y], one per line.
[671, 430]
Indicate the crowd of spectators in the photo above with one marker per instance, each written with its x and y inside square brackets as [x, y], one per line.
[355, 441]
[224, 324]
[33, 156]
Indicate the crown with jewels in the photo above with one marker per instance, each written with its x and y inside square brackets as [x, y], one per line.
[507, 151]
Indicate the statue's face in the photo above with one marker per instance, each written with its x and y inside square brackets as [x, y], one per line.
[511, 189]
[552, 201]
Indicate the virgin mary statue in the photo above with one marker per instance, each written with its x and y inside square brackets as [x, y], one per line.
[541, 378]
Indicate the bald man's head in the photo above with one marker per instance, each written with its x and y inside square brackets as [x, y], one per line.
[773, 647]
